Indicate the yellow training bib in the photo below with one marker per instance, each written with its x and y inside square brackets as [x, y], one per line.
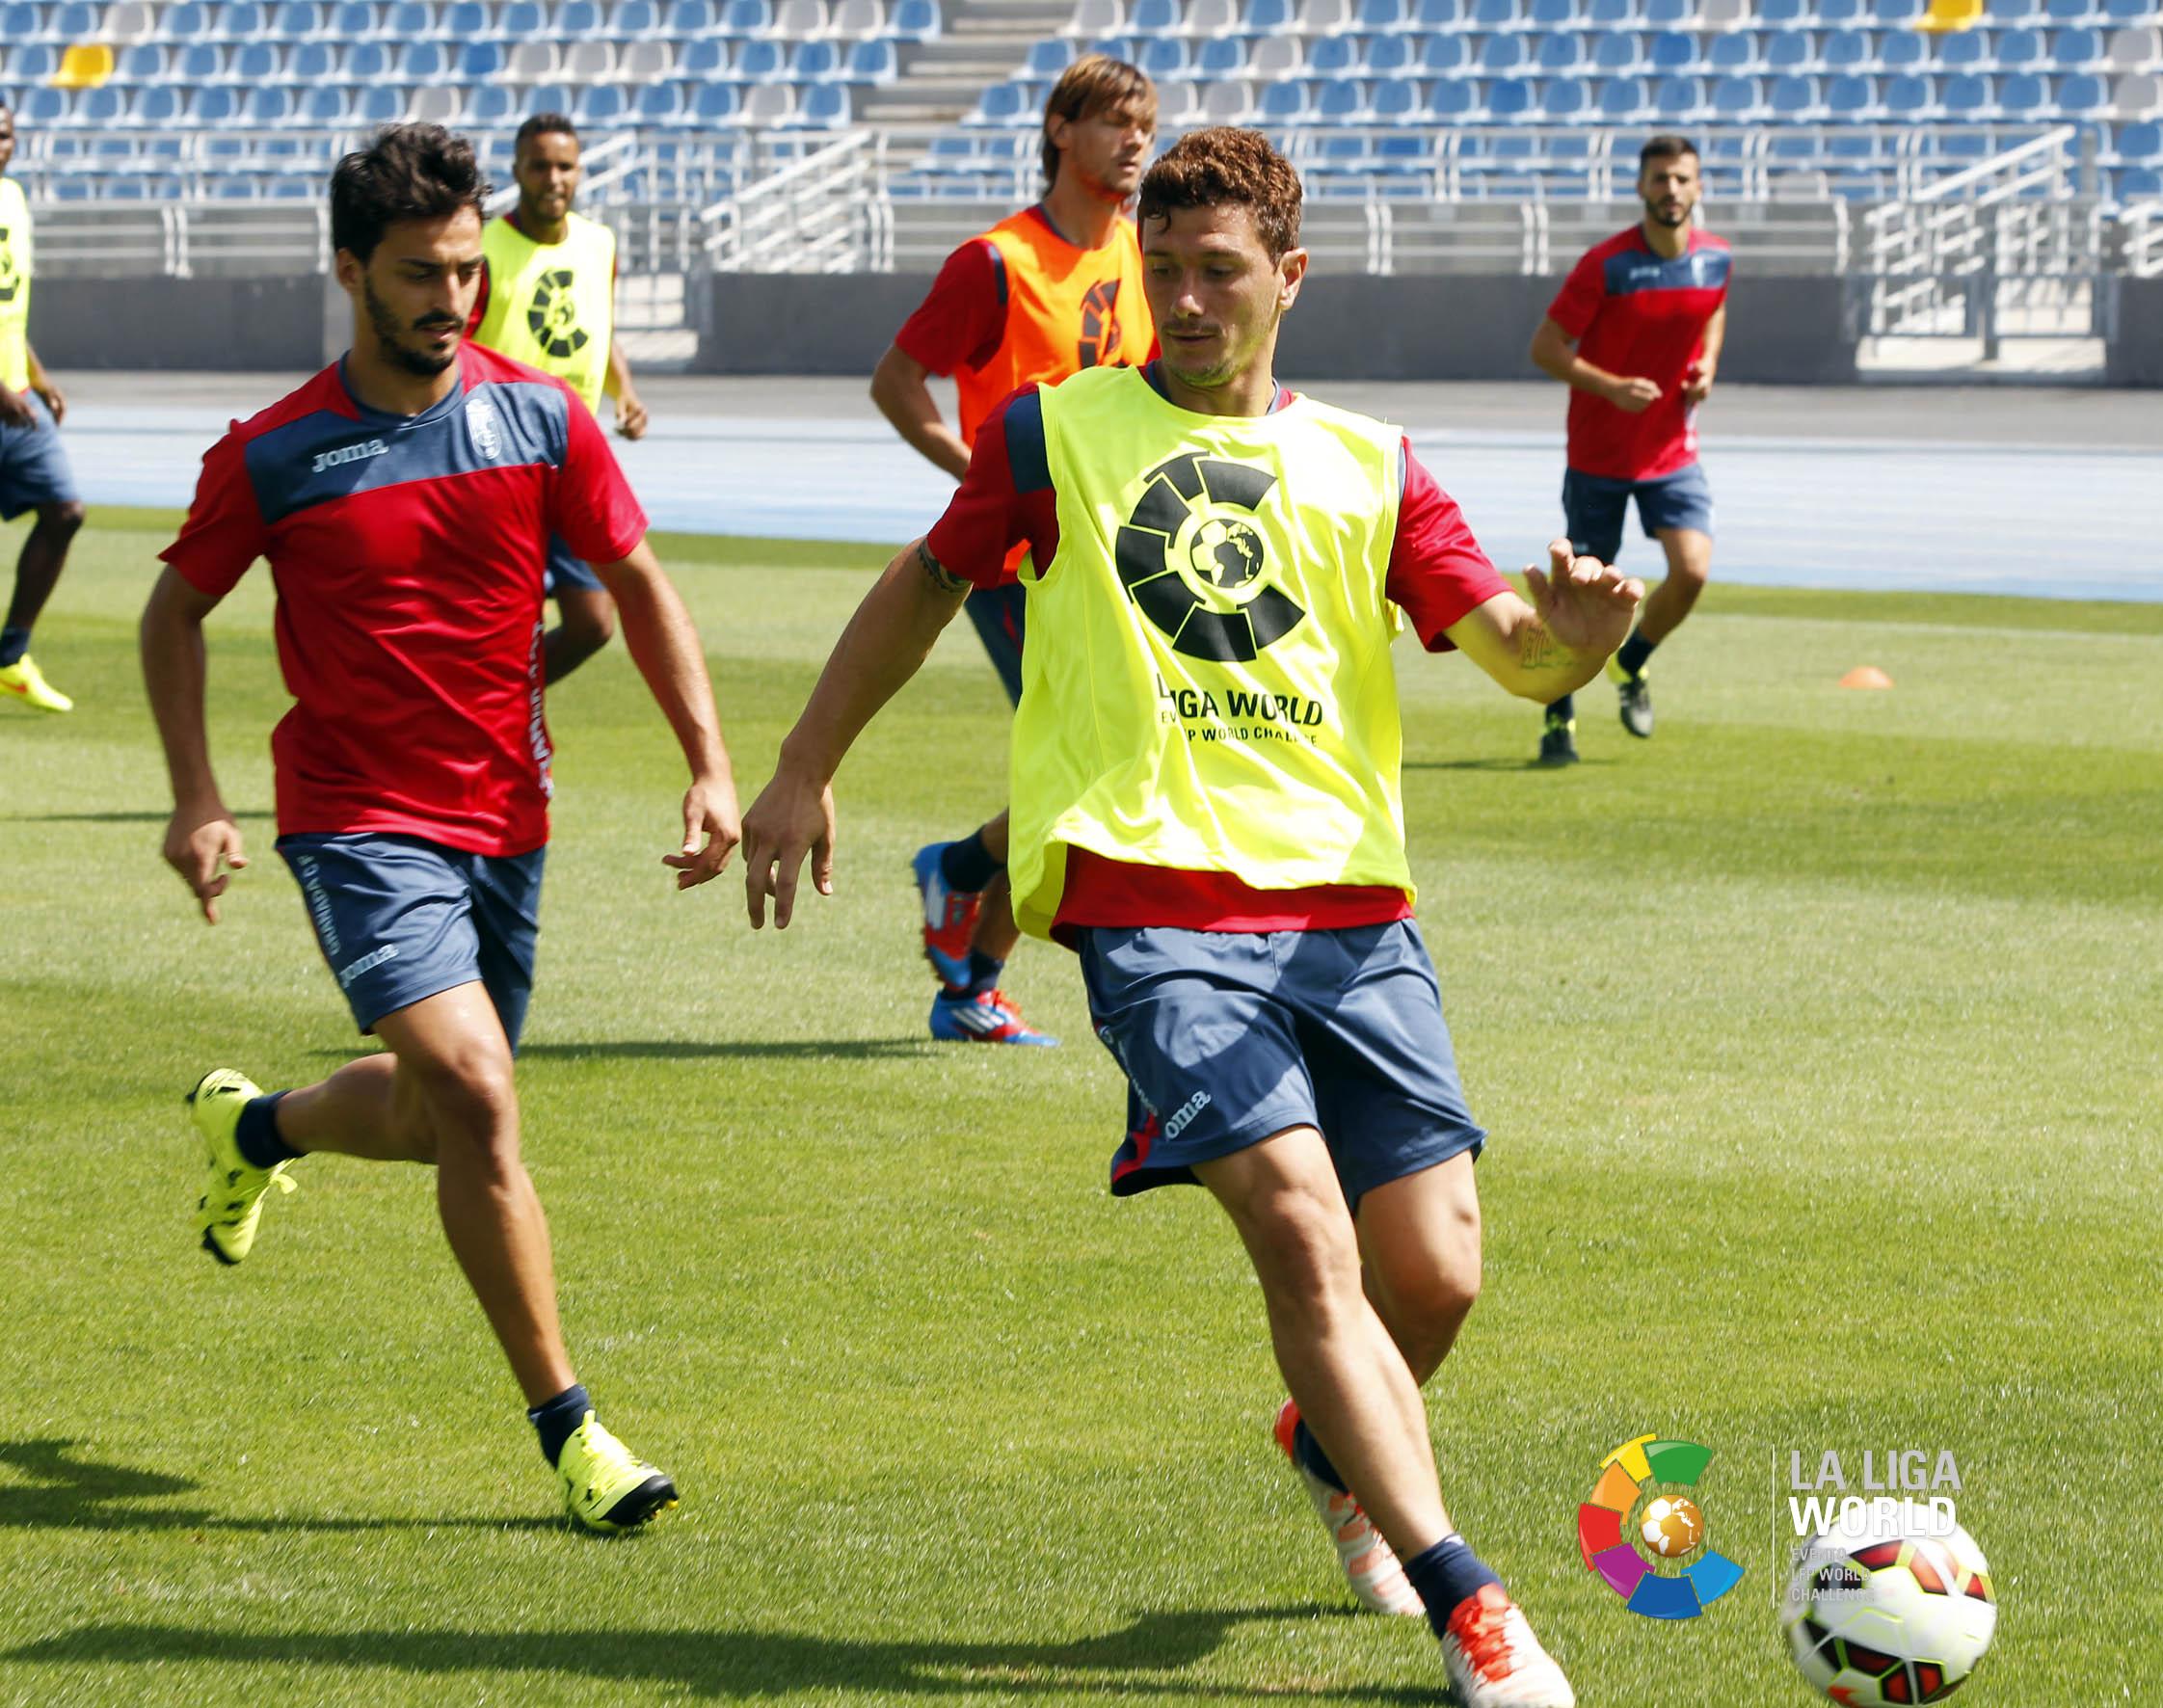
[1207, 682]
[552, 306]
[15, 286]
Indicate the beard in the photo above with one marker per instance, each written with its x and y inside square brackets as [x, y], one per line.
[1655, 212]
[424, 365]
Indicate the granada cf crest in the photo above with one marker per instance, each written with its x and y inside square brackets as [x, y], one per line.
[1194, 564]
[552, 316]
[1100, 345]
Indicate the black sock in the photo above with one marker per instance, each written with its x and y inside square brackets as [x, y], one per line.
[1307, 1453]
[14, 644]
[1634, 651]
[256, 1134]
[968, 865]
[556, 1421]
[1444, 1576]
[1564, 709]
[983, 972]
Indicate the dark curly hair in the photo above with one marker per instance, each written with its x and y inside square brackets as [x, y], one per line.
[409, 172]
[1227, 167]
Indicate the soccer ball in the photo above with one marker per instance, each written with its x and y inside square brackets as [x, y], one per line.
[1673, 1526]
[1901, 1619]
[1225, 552]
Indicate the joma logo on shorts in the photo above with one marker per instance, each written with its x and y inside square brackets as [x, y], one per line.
[350, 453]
[367, 963]
[1176, 1122]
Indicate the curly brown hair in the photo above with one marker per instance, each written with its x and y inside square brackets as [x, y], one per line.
[1227, 167]
[408, 171]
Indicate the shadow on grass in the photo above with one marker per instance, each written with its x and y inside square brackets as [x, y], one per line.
[1495, 764]
[1140, 1658]
[69, 1493]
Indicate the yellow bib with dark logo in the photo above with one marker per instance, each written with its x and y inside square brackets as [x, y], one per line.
[15, 286]
[1207, 683]
[552, 306]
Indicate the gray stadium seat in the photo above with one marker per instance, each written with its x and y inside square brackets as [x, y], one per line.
[858, 20]
[1324, 17]
[1277, 57]
[1724, 15]
[436, 104]
[125, 22]
[769, 103]
[1229, 102]
[797, 19]
[2138, 94]
[1210, 19]
[589, 61]
[651, 60]
[532, 62]
[1096, 18]
[2136, 49]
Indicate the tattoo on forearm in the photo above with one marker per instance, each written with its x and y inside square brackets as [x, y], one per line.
[1535, 647]
[940, 577]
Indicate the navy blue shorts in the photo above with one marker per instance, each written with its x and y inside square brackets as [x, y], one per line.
[400, 919]
[34, 466]
[1594, 508]
[567, 569]
[1230, 1037]
[1001, 615]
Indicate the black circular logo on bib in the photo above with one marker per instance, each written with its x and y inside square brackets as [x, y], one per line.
[553, 316]
[10, 281]
[1194, 565]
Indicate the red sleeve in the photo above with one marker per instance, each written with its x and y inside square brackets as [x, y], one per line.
[960, 323]
[480, 304]
[225, 532]
[1581, 296]
[988, 516]
[1437, 573]
[590, 503]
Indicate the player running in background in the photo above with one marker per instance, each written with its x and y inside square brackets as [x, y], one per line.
[34, 471]
[1053, 291]
[405, 498]
[1647, 311]
[1206, 807]
[548, 298]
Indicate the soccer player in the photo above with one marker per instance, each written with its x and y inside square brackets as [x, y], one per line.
[1646, 312]
[548, 298]
[1054, 289]
[34, 471]
[1206, 807]
[405, 498]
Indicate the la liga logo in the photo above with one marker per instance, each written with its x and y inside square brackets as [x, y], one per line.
[1644, 1514]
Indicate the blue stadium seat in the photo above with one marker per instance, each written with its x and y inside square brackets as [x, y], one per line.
[238, 21]
[2077, 48]
[1445, 56]
[1266, 18]
[1902, 50]
[873, 61]
[2137, 183]
[2023, 96]
[1388, 56]
[2072, 12]
[1966, 51]
[1332, 56]
[1502, 55]
[1849, 50]
[1670, 14]
[2143, 140]
[1783, 14]
[549, 97]
[766, 60]
[311, 63]
[2004, 12]
[707, 59]
[1671, 52]
[365, 62]
[1000, 104]
[463, 21]
[1561, 53]
[1397, 101]
[145, 62]
[101, 108]
[1566, 100]
[1613, 15]
[601, 105]
[268, 106]
[1155, 17]
[816, 61]
[1286, 103]
[1381, 17]
[256, 63]
[1906, 97]
[1220, 57]
[1737, 101]
[1342, 102]
[520, 20]
[1555, 14]
[354, 20]
[1966, 96]
[423, 62]
[914, 20]
[1850, 99]
[480, 61]
[1049, 57]
[2082, 94]
[160, 107]
[44, 108]
[1440, 14]
[634, 21]
[1843, 14]
[2128, 12]
[747, 17]
[379, 106]
[74, 20]
[1624, 100]
[1454, 102]
[688, 18]
[1166, 57]
[1497, 14]
[578, 20]
[325, 107]
[1893, 14]
[24, 24]
[1617, 53]
[1511, 100]
[414, 20]
[1794, 100]
[32, 62]
[1791, 51]
[825, 106]
[1679, 99]
[1733, 55]
[298, 21]
[2023, 50]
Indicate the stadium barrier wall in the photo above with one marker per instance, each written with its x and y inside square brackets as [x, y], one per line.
[2134, 355]
[1796, 331]
[215, 325]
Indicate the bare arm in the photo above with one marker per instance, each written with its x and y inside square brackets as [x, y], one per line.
[1580, 612]
[201, 834]
[1699, 383]
[883, 645]
[664, 645]
[899, 387]
[42, 382]
[1554, 353]
[631, 412]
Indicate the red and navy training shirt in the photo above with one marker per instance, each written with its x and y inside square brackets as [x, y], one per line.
[408, 553]
[1437, 576]
[1635, 314]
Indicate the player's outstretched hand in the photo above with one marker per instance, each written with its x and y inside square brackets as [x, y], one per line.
[630, 416]
[196, 845]
[1635, 395]
[792, 816]
[54, 401]
[709, 811]
[1585, 604]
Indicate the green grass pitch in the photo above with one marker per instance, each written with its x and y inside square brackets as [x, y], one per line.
[1818, 1038]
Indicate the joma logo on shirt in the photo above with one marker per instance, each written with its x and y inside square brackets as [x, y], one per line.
[350, 453]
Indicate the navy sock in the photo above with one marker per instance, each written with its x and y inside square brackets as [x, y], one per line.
[1634, 651]
[1444, 1576]
[256, 1134]
[968, 865]
[983, 972]
[556, 1421]
[1564, 709]
[1307, 1453]
[14, 644]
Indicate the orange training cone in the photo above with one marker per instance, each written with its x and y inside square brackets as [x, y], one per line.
[1866, 675]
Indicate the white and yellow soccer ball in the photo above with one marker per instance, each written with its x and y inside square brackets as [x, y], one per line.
[1890, 1619]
